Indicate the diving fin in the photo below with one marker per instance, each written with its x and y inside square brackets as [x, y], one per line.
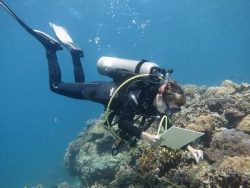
[64, 37]
[47, 41]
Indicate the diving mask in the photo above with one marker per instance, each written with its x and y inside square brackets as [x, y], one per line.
[170, 110]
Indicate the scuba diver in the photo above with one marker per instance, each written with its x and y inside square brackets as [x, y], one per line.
[148, 96]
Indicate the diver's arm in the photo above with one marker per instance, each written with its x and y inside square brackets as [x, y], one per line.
[197, 154]
[152, 139]
[126, 123]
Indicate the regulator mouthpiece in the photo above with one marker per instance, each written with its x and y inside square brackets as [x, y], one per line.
[168, 73]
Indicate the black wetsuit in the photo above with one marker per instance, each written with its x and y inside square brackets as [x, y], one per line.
[135, 100]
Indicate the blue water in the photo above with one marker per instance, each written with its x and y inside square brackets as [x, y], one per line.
[205, 41]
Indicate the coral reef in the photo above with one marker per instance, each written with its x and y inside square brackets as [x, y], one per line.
[89, 157]
[221, 112]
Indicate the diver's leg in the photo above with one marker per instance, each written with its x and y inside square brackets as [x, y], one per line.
[76, 53]
[72, 90]
[78, 70]
[54, 69]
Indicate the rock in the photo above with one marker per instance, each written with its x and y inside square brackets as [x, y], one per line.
[32, 186]
[191, 90]
[233, 116]
[229, 84]
[63, 185]
[229, 142]
[246, 86]
[39, 186]
[237, 163]
[207, 123]
[244, 124]
[202, 124]
[232, 172]
[216, 105]
[227, 88]
[125, 178]
[92, 160]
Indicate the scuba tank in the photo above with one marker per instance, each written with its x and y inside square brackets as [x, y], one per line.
[107, 65]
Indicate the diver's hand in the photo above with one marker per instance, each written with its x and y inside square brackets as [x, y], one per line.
[197, 154]
[152, 139]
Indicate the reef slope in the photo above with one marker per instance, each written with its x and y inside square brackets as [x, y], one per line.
[221, 112]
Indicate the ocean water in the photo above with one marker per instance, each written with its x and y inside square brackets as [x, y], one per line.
[205, 42]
